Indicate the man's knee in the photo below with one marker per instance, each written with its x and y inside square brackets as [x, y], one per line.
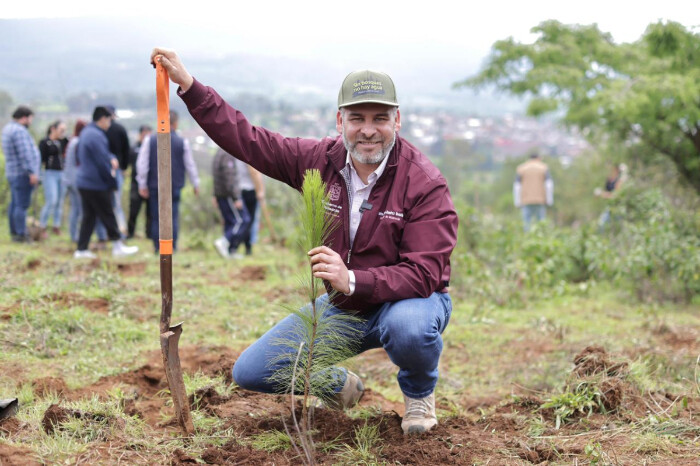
[249, 373]
[414, 324]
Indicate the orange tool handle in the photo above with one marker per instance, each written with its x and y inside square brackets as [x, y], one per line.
[162, 97]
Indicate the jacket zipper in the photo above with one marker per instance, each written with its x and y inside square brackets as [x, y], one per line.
[343, 172]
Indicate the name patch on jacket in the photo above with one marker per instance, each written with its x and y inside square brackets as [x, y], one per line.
[390, 215]
[333, 209]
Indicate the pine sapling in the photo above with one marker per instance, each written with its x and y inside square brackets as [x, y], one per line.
[319, 341]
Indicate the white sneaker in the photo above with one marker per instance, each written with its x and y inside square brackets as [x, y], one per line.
[235, 256]
[420, 414]
[221, 245]
[86, 254]
[119, 249]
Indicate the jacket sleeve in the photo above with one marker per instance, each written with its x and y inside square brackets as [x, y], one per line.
[271, 153]
[428, 238]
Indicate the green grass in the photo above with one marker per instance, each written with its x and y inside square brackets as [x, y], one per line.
[492, 353]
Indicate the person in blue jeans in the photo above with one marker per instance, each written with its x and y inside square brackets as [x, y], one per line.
[181, 163]
[22, 162]
[388, 260]
[410, 331]
[52, 149]
[70, 172]
[228, 198]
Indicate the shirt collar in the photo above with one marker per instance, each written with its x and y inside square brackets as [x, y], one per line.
[374, 175]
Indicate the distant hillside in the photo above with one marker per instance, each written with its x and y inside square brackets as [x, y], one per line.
[60, 59]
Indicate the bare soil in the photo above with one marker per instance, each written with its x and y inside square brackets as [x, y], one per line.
[493, 429]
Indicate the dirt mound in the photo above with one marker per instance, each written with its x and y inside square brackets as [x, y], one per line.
[145, 387]
[33, 264]
[45, 386]
[16, 456]
[131, 269]
[251, 273]
[9, 426]
[98, 305]
[612, 392]
[595, 360]
[55, 415]
[234, 453]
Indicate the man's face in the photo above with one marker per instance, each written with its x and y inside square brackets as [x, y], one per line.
[26, 121]
[369, 131]
[104, 123]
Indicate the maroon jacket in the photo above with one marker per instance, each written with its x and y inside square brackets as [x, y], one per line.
[403, 244]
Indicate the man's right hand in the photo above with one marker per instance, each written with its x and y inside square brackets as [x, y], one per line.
[172, 64]
[33, 179]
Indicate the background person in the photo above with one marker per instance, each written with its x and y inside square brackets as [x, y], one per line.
[613, 183]
[70, 173]
[533, 190]
[96, 182]
[52, 149]
[181, 163]
[228, 198]
[252, 188]
[22, 164]
[119, 146]
[135, 199]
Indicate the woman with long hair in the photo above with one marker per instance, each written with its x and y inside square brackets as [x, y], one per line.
[52, 150]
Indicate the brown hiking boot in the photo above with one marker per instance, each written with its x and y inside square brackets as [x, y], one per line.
[350, 394]
[56, 230]
[420, 414]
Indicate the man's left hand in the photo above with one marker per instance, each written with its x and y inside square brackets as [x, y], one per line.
[327, 265]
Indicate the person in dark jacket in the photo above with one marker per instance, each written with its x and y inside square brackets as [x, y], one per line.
[181, 163]
[228, 197]
[397, 227]
[119, 146]
[96, 181]
[53, 149]
[135, 199]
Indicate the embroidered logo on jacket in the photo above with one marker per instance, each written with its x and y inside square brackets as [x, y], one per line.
[334, 192]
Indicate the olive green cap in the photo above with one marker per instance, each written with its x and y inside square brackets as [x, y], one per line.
[366, 86]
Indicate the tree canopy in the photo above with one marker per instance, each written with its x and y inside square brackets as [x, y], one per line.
[645, 93]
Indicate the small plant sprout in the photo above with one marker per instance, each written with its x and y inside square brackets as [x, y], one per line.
[320, 339]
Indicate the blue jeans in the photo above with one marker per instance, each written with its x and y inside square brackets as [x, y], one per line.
[54, 191]
[236, 222]
[530, 211]
[409, 330]
[153, 205]
[20, 198]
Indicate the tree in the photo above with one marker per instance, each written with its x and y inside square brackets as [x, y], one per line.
[645, 93]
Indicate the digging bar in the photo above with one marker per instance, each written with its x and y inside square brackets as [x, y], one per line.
[169, 335]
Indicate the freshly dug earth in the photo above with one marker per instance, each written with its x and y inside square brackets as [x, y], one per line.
[498, 432]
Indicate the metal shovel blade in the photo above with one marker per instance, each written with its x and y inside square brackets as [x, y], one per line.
[171, 361]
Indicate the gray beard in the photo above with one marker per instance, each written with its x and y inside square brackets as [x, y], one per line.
[368, 159]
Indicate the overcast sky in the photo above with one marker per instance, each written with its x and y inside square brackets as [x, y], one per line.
[309, 29]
